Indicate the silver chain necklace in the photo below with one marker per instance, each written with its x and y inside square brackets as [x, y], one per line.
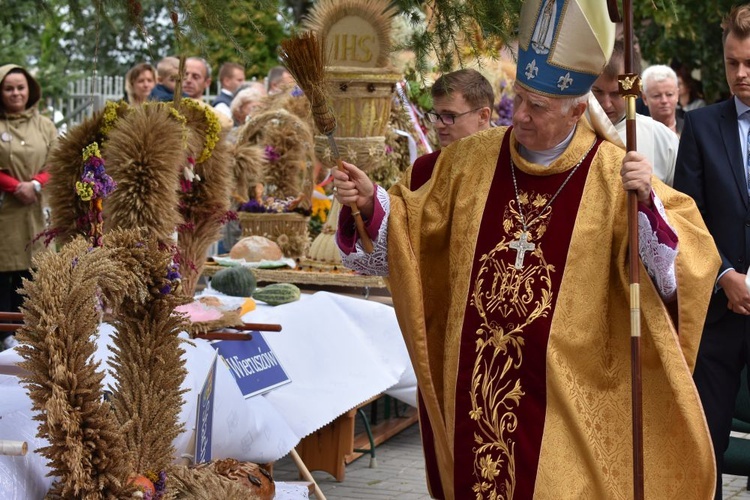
[522, 244]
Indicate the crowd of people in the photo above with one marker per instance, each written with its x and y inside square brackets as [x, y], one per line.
[507, 256]
[236, 101]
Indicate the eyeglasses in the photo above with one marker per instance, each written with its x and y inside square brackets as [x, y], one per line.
[446, 118]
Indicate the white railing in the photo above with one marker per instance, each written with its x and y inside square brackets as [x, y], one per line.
[86, 96]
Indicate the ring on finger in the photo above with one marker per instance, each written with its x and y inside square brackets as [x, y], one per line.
[335, 190]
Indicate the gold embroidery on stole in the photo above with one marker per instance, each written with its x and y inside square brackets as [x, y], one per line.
[503, 292]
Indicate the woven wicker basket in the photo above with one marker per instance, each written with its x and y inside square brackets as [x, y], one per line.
[361, 99]
[368, 153]
[288, 230]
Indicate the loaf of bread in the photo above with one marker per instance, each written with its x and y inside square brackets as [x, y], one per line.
[256, 479]
[255, 249]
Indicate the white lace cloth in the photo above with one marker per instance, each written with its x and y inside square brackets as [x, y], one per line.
[657, 257]
[375, 263]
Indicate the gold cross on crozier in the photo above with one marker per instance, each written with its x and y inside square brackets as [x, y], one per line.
[521, 246]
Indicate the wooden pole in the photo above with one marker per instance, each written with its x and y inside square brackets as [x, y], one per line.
[11, 316]
[306, 474]
[16, 448]
[630, 87]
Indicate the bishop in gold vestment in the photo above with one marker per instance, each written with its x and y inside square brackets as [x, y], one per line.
[507, 257]
[533, 365]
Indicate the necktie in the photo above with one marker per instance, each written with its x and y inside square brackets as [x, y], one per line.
[747, 157]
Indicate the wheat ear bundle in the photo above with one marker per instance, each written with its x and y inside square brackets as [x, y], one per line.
[86, 452]
[303, 57]
[205, 205]
[145, 155]
[65, 168]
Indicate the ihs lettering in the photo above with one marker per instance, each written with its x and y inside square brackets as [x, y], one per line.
[352, 48]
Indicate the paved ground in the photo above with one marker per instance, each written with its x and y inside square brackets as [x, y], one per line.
[400, 474]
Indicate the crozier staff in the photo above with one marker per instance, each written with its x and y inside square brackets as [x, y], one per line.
[25, 141]
[507, 256]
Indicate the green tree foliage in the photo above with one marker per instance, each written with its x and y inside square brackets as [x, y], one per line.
[61, 39]
[685, 32]
[242, 33]
[459, 30]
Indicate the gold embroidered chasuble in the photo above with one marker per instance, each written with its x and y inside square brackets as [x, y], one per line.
[585, 447]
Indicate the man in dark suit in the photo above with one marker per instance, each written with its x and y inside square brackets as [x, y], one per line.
[712, 167]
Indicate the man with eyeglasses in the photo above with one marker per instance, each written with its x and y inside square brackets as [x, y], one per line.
[508, 269]
[461, 105]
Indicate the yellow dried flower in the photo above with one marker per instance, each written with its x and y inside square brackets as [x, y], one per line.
[110, 115]
[182, 121]
[213, 128]
[84, 191]
[91, 150]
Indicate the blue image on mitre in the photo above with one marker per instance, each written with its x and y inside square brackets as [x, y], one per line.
[563, 45]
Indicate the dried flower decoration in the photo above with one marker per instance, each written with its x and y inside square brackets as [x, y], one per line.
[271, 205]
[271, 154]
[321, 204]
[182, 121]
[189, 176]
[160, 484]
[172, 280]
[94, 186]
[112, 112]
[213, 129]
[504, 106]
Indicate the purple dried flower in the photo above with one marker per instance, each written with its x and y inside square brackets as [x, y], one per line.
[504, 110]
[271, 154]
[253, 206]
[161, 485]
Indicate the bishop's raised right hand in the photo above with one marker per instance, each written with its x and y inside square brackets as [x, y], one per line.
[351, 185]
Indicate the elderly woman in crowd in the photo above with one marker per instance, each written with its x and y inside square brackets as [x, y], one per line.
[140, 80]
[25, 141]
[247, 101]
[661, 94]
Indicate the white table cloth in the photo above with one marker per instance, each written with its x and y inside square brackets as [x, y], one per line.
[338, 351]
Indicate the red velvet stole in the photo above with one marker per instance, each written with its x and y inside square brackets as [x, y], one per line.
[421, 172]
[500, 450]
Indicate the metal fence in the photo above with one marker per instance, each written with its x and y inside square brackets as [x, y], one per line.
[85, 97]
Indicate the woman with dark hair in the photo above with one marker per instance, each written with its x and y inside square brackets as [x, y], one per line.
[140, 80]
[26, 138]
[689, 88]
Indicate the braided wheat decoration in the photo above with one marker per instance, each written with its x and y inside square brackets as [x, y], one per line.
[205, 206]
[93, 450]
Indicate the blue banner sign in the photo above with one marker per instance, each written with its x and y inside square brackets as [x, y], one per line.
[253, 364]
[204, 418]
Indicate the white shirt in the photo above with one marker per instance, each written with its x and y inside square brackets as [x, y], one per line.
[743, 126]
[656, 142]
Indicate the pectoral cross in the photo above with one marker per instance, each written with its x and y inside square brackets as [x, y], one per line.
[521, 246]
